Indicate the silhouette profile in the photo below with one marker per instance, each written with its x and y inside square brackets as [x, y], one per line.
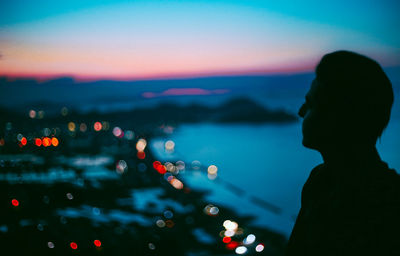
[350, 204]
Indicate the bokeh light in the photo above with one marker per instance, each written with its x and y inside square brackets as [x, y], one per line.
[160, 223]
[54, 141]
[249, 239]
[176, 183]
[97, 243]
[15, 202]
[46, 141]
[241, 250]
[40, 114]
[232, 245]
[152, 246]
[141, 144]
[32, 113]
[38, 142]
[71, 126]
[230, 225]
[73, 245]
[169, 146]
[83, 127]
[121, 167]
[64, 111]
[69, 196]
[23, 141]
[141, 155]
[97, 126]
[259, 248]
[50, 245]
[118, 132]
[212, 169]
[226, 239]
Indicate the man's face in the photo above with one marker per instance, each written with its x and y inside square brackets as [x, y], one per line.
[318, 122]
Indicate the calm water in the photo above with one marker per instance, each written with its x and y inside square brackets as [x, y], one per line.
[266, 161]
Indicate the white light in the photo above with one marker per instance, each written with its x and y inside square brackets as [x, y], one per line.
[230, 225]
[212, 170]
[214, 210]
[169, 145]
[141, 145]
[249, 239]
[259, 248]
[241, 250]
[70, 196]
[229, 233]
[50, 245]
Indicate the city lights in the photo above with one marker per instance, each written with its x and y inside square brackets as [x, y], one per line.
[54, 142]
[97, 126]
[241, 250]
[141, 145]
[71, 126]
[73, 245]
[97, 243]
[259, 248]
[15, 202]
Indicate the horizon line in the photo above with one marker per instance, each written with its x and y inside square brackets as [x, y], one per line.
[41, 78]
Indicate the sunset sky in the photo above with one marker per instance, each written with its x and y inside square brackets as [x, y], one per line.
[144, 39]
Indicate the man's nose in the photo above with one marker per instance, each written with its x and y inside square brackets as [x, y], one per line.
[302, 111]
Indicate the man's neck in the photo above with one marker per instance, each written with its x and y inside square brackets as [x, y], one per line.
[346, 157]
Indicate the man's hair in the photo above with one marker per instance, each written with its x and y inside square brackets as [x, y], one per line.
[357, 85]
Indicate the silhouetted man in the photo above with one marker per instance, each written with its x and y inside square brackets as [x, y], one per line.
[350, 204]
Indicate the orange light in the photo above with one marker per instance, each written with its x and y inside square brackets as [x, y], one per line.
[169, 223]
[23, 141]
[97, 126]
[2, 142]
[54, 141]
[38, 142]
[176, 183]
[15, 202]
[46, 141]
[73, 245]
[141, 155]
[97, 243]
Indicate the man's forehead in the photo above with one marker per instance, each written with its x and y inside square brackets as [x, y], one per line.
[317, 92]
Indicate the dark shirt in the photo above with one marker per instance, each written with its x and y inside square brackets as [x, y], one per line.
[354, 213]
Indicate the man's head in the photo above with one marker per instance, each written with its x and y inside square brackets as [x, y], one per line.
[349, 102]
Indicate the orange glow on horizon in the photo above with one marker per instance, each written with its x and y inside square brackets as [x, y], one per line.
[43, 77]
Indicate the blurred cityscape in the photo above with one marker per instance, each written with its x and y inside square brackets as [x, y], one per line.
[89, 183]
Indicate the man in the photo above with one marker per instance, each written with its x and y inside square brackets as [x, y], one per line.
[350, 204]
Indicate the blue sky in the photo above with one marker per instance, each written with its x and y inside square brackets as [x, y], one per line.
[127, 39]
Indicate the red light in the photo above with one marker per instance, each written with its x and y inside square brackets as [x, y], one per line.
[97, 126]
[46, 141]
[159, 167]
[97, 243]
[23, 141]
[232, 245]
[54, 142]
[141, 155]
[226, 239]
[38, 142]
[156, 164]
[73, 245]
[15, 202]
